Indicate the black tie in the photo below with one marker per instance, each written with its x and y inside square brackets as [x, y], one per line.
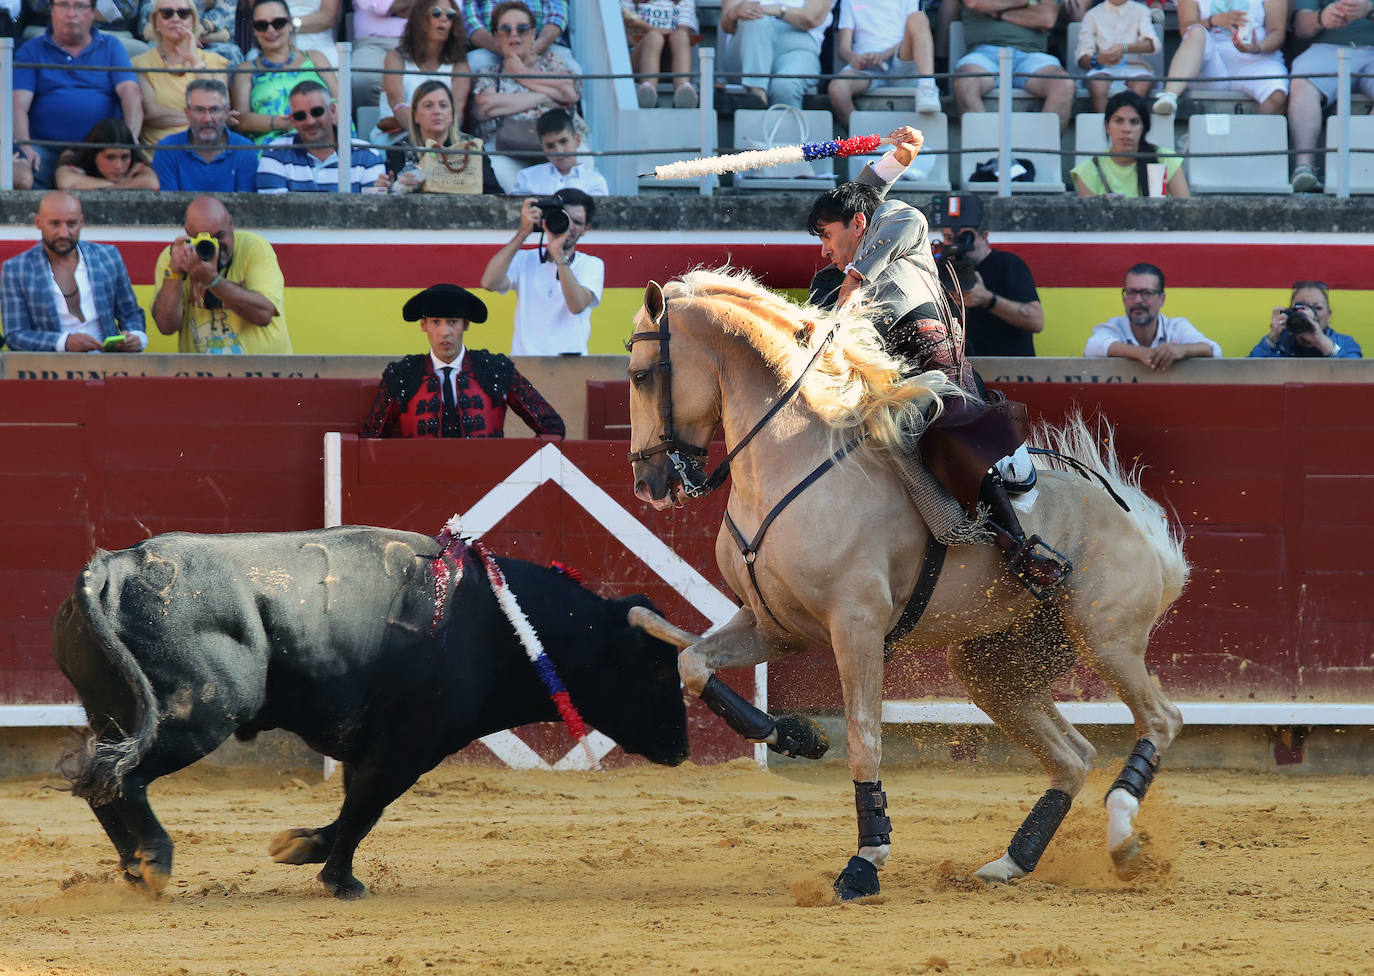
[450, 402]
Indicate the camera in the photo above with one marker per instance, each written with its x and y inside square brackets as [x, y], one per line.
[963, 215]
[556, 220]
[1295, 322]
[206, 246]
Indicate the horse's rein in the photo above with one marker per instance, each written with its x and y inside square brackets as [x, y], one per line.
[676, 448]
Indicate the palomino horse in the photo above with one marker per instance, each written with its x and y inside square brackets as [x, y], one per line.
[842, 555]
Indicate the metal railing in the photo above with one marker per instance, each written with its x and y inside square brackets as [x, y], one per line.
[705, 113]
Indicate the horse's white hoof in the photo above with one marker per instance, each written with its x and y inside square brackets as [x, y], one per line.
[1121, 813]
[1000, 871]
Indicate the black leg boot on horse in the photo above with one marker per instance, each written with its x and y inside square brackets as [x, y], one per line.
[1038, 571]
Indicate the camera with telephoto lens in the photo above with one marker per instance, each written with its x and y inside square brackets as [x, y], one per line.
[205, 246]
[954, 258]
[1297, 323]
[555, 220]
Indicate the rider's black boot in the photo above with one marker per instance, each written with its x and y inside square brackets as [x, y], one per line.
[1038, 572]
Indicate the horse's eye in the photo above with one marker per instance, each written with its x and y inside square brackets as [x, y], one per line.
[640, 377]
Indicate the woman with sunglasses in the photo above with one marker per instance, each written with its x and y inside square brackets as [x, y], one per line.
[175, 30]
[433, 47]
[262, 86]
[216, 31]
[315, 23]
[89, 167]
[505, 107]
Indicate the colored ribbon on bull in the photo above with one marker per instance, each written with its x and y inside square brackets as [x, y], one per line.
[759, 158]
[534, 650]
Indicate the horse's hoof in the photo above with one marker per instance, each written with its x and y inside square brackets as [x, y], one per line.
[859, 879]
[350, 889]
[296, 846]
[1126, 859]
[799, 737]
[1000, 871]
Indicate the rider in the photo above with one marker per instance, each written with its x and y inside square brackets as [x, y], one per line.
[884, 246]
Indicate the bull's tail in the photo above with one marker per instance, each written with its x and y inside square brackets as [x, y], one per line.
[83, 640]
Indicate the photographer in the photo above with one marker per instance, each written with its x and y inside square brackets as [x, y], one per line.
[1002, 308]
[220, 290]
[1304, 328]
[556, 285]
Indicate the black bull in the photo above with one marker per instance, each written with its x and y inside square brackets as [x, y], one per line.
[184, 640]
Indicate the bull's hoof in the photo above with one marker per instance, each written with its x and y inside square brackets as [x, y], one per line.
[300, 845]
[859, 879]
[350, 889]
[1000, 871]
[800, 738]
[155, 875]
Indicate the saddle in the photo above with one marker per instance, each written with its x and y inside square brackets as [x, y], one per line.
[970, 438]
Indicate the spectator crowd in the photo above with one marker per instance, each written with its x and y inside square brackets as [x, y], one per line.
[134, 80]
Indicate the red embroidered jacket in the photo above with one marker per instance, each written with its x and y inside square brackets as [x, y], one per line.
[410, 400]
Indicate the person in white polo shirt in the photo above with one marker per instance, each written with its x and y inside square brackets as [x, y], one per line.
[556, 285]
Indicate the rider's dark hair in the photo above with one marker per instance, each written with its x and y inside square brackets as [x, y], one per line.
[841, 204]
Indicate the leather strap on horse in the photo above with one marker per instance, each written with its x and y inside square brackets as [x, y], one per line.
[931, 564]
[870, 804]
[1139, 771]
[1084, 470]
[749, 549]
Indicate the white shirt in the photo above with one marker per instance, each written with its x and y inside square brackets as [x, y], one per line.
[544, 180]
[457, 366]
[1108, 24]
[89, 323]
[817, 33]
[877, 24]
[1178, 330]
[544, 326]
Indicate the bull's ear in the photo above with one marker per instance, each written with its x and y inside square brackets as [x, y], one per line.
[651, 623]
[654, 302]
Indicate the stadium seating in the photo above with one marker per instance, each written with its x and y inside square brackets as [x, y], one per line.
[1034, 136]
[1263, 139]
[1361, 163]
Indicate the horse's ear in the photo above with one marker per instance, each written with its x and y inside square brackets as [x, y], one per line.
[804, 332]
[654, 302]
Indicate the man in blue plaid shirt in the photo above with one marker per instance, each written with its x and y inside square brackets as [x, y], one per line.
[550, 25]
[64, 295]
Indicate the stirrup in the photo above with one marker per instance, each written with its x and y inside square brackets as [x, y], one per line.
[1019, 565]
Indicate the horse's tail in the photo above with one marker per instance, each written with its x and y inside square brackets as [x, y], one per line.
[1097, 450]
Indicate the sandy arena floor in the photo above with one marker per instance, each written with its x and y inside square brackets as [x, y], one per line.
[697, 870]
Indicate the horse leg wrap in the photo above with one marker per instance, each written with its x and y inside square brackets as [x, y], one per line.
[870, 803]
[741, 716]
[1139, 771]
[859, 879]
[1033, 836]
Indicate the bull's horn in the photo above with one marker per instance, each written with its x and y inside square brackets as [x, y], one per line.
[651, 623]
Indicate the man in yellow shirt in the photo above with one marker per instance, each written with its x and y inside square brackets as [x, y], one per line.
[229, 301]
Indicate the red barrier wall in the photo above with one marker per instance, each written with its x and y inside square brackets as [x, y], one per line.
[1271, 482]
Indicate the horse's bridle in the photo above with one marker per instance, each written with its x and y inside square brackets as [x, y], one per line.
[686, 458]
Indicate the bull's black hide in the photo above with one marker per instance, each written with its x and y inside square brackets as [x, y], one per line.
[184, 640]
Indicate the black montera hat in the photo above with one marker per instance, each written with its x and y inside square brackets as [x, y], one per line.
[445, 302]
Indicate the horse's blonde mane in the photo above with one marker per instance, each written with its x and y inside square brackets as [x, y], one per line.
[855, 383]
